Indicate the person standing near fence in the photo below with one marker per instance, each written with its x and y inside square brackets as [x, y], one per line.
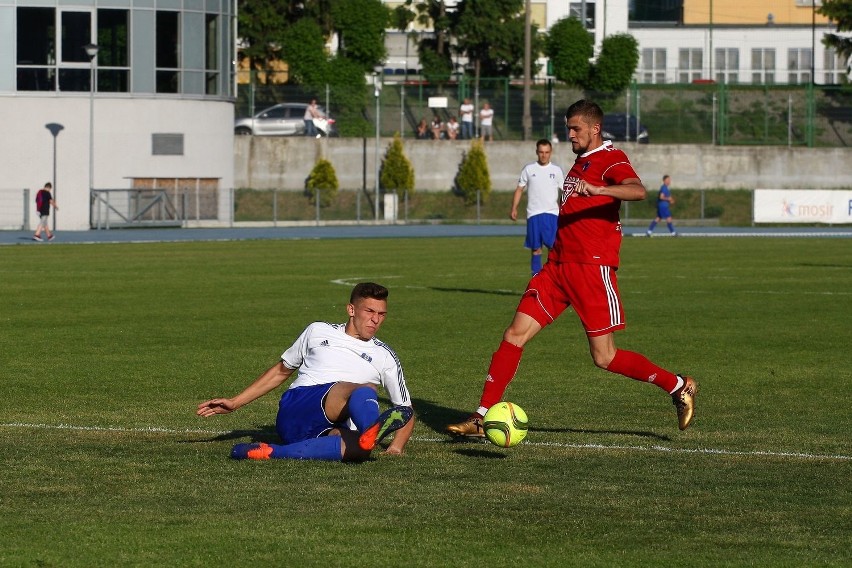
[44, 201]
[466, 113]
[486, 120]
[543, 181]
[664, 203]
[311, 112]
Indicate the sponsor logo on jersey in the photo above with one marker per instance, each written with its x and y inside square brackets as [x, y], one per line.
[569, 187]
[324, 343]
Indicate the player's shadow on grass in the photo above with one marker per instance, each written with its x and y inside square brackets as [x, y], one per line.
[638, 433]
[475, 291]
[436, 417]
[260, 434]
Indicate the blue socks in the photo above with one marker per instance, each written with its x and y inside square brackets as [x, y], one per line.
[363, 408]
[327, 448]
[671, 227]
[651, 226]
[535, 264]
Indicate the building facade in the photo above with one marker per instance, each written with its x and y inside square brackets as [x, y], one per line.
[681, 41]
[118, 95]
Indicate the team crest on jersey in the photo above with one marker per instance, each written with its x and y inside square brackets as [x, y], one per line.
[366, 358]
[569, 188]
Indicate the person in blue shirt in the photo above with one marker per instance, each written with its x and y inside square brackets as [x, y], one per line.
[664, 203]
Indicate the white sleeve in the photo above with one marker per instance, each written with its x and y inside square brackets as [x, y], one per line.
[393, 379]
[295, 354]
[525, 178]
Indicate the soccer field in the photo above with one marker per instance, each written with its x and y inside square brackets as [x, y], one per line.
[107, 349]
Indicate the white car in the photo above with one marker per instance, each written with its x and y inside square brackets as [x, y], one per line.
[284, 119]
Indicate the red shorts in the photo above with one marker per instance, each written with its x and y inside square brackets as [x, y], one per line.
[590, 289]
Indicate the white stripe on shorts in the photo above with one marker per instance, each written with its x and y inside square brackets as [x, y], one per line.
[612, 297]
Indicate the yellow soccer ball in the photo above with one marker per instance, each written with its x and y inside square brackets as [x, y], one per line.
[505, 424]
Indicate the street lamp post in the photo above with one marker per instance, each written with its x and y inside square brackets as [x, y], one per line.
[92, 52]
[377, 90]
[54, 129]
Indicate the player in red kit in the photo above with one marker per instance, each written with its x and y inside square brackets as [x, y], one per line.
[580, 272]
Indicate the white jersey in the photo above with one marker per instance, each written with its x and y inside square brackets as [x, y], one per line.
[324, 354]
[544, 187]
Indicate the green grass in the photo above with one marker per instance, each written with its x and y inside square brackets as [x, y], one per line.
[120, 342]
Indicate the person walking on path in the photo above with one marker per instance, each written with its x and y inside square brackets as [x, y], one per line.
[664, 203]
[44, 201]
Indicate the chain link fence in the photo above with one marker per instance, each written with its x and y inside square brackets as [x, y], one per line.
[709, 113]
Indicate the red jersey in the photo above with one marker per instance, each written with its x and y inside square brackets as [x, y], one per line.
[589, 227]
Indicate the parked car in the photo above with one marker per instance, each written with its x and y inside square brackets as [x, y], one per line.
[284, 119]
[622, 127]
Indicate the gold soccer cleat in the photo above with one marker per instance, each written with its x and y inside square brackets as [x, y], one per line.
[684, 401]
[471, 427]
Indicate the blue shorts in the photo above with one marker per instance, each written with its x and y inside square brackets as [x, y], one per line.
[541, 231]
[663, 211]
[301, 415]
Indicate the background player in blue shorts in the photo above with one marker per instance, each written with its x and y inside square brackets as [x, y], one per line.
[339, 368]
[543, 182]
[664, 201]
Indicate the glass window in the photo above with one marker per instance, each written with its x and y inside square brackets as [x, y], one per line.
[114, 53]
[36, 49]
[76, 34]
[211, 54]
[168, 52]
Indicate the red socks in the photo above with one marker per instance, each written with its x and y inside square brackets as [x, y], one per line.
[504, 365]
[638, 367]
[505, 361]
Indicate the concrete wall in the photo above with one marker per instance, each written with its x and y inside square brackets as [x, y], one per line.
[285, 163]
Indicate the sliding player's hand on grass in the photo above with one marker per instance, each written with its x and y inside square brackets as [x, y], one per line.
[216, 406]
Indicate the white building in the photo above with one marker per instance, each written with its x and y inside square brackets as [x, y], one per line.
[159, 115]
[759, 41]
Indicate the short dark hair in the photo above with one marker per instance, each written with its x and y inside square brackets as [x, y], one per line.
[587, 109]
[364, 290]
[543, 142]
[48, 184]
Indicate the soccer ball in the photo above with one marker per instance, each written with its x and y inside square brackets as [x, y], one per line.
[505, 424]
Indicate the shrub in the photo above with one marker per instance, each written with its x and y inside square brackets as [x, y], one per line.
[397, 171]
[473, 174]
[323, 178]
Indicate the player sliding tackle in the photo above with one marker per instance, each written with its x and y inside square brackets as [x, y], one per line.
[340, 366]
[580, 272]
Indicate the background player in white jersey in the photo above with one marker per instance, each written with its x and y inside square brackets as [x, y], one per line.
[340, 366]
[543, 182]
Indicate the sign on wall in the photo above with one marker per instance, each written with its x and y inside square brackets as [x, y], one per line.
[802, 206]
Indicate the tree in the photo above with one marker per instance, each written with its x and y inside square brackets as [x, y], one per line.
[322, 178]
[473, 174]
[304, 48]
[570, 47]
[839, 12]
[361, 25]
[616, 64]
[491, 34]
[397, 171]
[434, 51]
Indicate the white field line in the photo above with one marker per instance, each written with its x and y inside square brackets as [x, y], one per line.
[602, 447]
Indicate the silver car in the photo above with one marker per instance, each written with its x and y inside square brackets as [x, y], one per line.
[284, 119]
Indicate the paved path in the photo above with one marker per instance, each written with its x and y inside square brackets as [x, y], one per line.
[381, 231]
